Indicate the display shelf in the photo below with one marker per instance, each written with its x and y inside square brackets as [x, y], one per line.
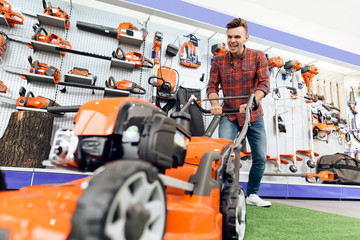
[307, 190]
[75, 78]
[16, 177]
[3, 21]
[122, 64]
[131, 40]
[50, 20]
[20, 177]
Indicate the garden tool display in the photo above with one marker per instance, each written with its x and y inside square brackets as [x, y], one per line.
[156, 55]
[37, 69]
[41, 35]
[124, 28]
[29, 101]
[308, 72]
[217, 49]
[3, 42]
[81, 76]
[167, 83]
[125, 85]
[133, 57]
[56, 12]
[190, 56]
[11, 17]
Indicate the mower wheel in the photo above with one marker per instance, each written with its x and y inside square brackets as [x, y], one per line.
[123, 200]
[293, 168]
[233, 209]
[310, 163]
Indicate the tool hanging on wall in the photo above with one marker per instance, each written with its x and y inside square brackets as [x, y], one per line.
[156, 55]
[56, 12]
[167, 83]
[275, 62]
[3, 87]
[217, 49]
[41, 35]
[38, 71]
[3, 43]
[125, 85]
[81, 76]
[125, 28]
[319, 95]
[352, 101]
[190, 56]
[290, 68]
[37, 67]
[27, 101]
[133, 57]
[11, 17]
[308, 72]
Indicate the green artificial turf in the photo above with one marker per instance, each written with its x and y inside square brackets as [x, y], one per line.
[281, 221]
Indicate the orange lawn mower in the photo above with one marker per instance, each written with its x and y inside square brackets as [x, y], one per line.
[151, 180]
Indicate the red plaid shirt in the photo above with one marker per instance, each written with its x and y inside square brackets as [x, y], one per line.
[249, 75]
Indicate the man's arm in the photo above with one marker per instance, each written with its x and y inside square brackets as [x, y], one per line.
[213, 88]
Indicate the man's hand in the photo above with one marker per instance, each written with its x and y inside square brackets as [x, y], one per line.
[242, 108]
[255, 106]
[216, 109]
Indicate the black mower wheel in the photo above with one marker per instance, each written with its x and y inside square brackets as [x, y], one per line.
[233, 209]
[123, 200]
[310, 163]
[293, 168]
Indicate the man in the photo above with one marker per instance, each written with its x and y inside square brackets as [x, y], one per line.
[242, 71]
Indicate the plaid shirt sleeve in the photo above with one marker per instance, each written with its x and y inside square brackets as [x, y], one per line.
[263, 74]
[214, 81]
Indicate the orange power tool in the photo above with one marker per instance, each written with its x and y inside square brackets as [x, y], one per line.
[41, 35]
[275, 62]
[125, 28]
[3, 42]
[134, 57]
[56, 12]
[43, 69]
[308, 72]
[11, 17]
[3, 87]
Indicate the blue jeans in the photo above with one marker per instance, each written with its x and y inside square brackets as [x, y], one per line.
[256, 137]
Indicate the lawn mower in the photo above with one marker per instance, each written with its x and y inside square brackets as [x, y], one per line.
[151, 180]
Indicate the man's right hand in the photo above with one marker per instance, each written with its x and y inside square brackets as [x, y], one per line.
[217, 109]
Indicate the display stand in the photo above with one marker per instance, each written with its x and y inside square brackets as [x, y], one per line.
[88, 80]
[50, 20]
[122, 64]
[135, 41]
[46, 47]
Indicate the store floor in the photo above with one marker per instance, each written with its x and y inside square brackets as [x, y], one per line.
[341, 207]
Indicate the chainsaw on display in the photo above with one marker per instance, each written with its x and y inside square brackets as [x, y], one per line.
[80, 76]
[125, 85]
[41, 35]
[133, 57]
[36, 68]
[125, 28]
[27, 101]
[11, 17]
[56, 12]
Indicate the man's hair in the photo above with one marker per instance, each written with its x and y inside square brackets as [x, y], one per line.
[237, 22]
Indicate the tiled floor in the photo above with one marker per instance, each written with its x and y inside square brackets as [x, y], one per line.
[341, 207]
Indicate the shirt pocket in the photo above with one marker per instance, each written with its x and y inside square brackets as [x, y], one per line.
[248, 73]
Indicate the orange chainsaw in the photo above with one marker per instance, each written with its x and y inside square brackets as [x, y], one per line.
[41, 35]
[125, 85]
[28, 100]
[134, 57]
[56, 12]
[43, 69]
[11, 17]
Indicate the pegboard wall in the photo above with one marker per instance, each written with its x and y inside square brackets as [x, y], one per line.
[17, 54]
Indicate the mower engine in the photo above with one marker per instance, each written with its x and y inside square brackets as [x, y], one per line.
[121, 128]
